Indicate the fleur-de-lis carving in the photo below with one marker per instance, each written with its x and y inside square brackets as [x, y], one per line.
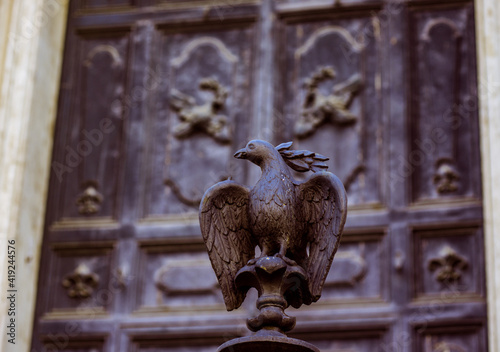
[333, 108]
[89, 201]
[204, 117]
[81, 282]
[449, 266]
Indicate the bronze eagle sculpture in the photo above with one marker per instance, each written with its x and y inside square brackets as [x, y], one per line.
[300, 222]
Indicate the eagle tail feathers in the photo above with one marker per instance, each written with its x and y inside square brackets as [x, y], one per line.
[302, 160]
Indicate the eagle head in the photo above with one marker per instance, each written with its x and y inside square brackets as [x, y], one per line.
[256, 151]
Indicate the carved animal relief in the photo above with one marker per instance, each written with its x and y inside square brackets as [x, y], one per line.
[204, 117]
[333, 108]
[81, 282]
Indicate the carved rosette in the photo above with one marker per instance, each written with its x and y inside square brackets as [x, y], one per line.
[81, 282]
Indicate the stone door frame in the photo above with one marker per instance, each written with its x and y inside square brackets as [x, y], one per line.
[31, 50]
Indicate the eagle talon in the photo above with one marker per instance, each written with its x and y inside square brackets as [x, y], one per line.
[287, 260]
[252, 262]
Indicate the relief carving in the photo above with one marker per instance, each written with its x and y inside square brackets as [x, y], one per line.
[224, 53]
[446, 176]
[353, 176]
[81, 282]
[190, 201]
[449, 266]
[185, 277]
[351, 269]
[333, 108]
[441, 21]
[172, 185]
[104, 48]
[442, 70]
[121, 278]
[399, 260]
[89, 201]
[205, 117]
[447, 347]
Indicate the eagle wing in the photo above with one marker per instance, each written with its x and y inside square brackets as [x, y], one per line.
[324, 211]
[224, 226]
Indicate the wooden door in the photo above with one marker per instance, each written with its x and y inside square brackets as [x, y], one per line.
[155, 98]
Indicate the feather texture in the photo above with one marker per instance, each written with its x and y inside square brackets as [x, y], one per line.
[324, 211]
[225, 229]
[302, 160]
[279, 214]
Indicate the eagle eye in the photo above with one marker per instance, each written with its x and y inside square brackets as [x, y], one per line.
[251, 146]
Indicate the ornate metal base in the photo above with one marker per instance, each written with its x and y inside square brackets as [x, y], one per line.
[280, 282]
[267, 344]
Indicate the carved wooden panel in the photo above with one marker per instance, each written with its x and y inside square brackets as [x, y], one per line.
[284, 5]
[202, 113]
[357, 272]
[185, 84]
[450, 338]
[73, 342]
[96, 4]
[447, 262]
[443, 158]
[367, 338]
[80, 279]
[156, 340]
[178, 349]
[354, 345]
[204, 2]
[332, 80]
[88, 167]
[173, 277]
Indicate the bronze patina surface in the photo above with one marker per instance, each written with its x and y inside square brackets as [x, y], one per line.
[297, 226]
[267, 343]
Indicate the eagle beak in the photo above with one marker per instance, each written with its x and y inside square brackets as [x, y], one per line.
[241, 154]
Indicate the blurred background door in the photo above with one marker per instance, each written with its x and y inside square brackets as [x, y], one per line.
[155, 98]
